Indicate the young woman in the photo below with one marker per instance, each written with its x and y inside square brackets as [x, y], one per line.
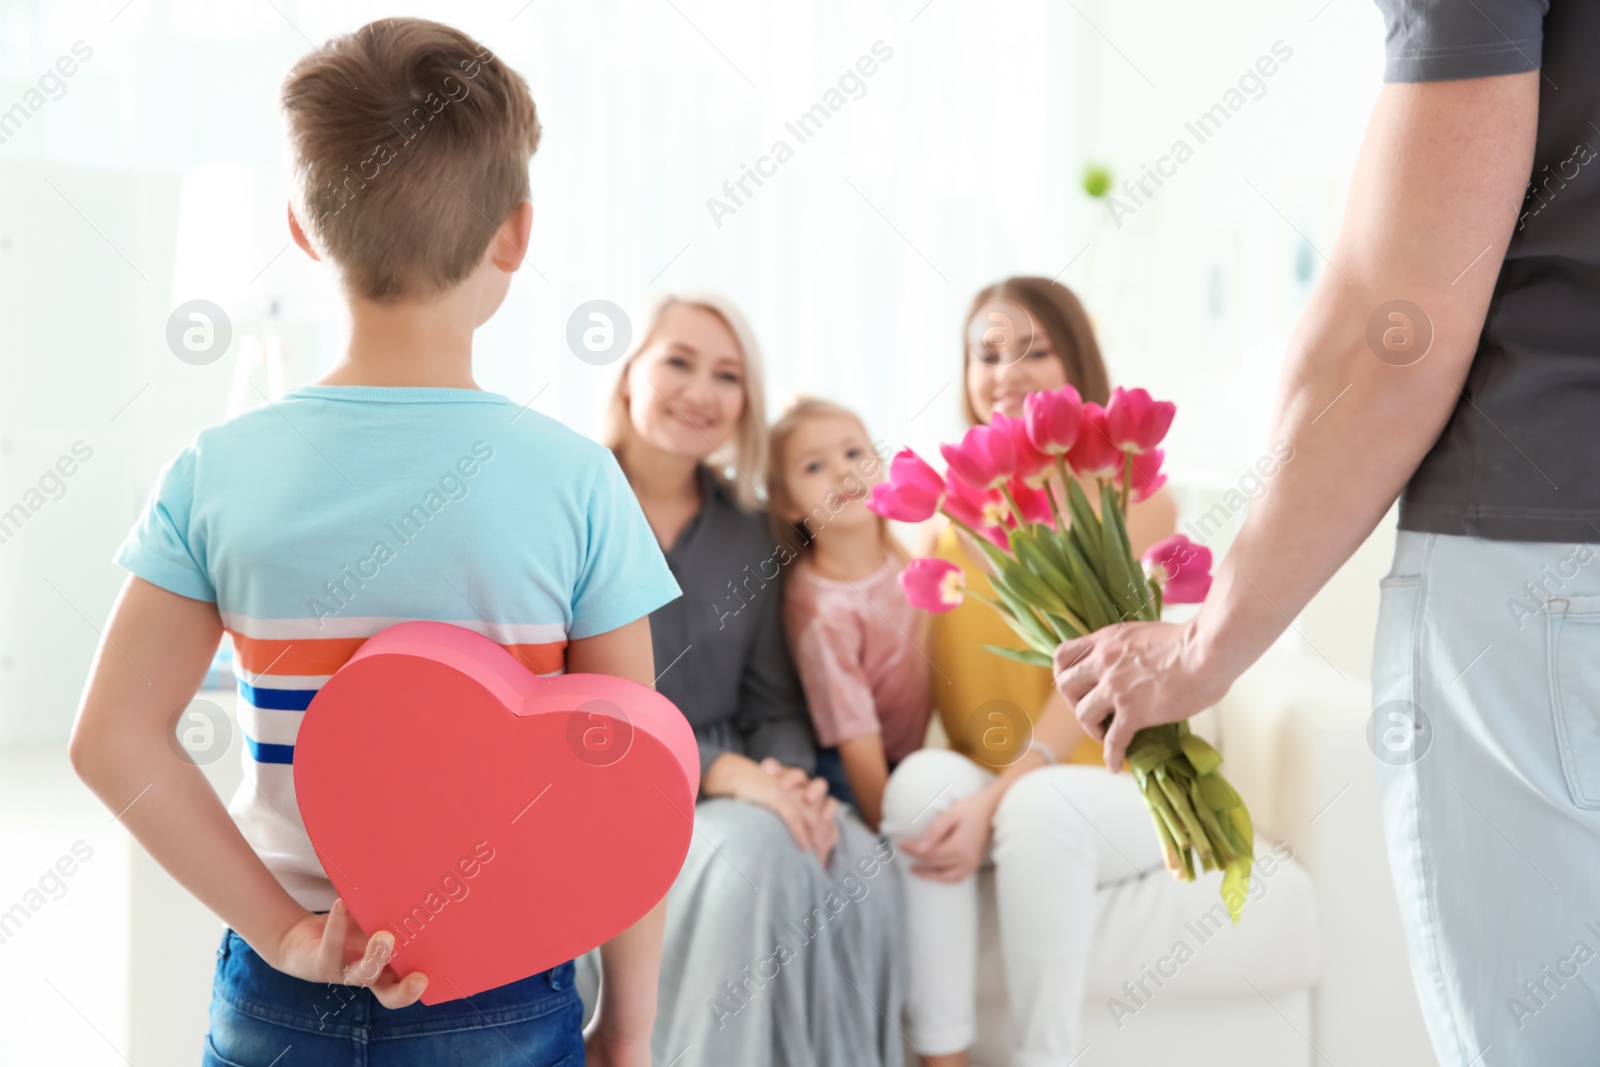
[1021, 787]
[857, 641]
[782, 943]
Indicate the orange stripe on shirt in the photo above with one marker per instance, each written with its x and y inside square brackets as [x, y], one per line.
[541, 659]
[324, 655]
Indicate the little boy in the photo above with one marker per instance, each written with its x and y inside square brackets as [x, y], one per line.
[393, 489]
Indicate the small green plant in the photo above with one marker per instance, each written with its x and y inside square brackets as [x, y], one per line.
[1096, 180]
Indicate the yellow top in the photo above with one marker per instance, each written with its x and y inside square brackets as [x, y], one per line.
[979, 695]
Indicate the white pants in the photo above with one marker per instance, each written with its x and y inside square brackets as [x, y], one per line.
[1060, 832]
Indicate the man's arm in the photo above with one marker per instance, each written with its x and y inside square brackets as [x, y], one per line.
[630, 963]
[1436, 191]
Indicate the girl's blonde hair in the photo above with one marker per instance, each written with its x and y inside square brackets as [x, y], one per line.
[1060, 314]
[799, 537]
[749, 454]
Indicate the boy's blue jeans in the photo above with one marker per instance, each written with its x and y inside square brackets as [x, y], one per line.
[261, 1017]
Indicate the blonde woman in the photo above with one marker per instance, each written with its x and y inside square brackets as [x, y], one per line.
[1054, 824]
[781, 944]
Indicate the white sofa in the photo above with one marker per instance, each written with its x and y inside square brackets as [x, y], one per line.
[1315, 972]
[1316, 959]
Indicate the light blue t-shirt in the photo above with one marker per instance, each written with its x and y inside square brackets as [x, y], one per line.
[337, 511]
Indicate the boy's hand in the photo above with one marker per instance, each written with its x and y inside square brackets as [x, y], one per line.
[333, 948]
[608, 1050]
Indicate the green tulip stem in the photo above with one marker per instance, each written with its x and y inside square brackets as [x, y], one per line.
[997, 555]
[1011, 502]
[1055, 505]
[1127, 479]
[1061, 469]
[991, 601]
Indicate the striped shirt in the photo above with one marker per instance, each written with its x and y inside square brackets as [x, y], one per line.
[319, 520]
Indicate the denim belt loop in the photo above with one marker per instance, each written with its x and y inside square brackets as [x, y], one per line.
[553, 977]
[226, 948]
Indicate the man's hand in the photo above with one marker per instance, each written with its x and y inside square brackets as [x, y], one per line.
[1136, 674]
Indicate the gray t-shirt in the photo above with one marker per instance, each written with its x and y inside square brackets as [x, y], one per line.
[1519, 459]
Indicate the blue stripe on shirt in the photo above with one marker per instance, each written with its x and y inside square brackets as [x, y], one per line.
[276, 699]
[265, 753]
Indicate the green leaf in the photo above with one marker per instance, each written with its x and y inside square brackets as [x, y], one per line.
[1231, 812]
[1236, 887]
[1244, 831]
[1204, 758]
[1221, 842]
[1068, 626]
[1054, 545]
[1152, 747]
[1098, 610]
[1086, 532]
[1021, 655]
[1021, 618]
[1033, 557]
[1126, 581]
[1113, 521]
[1031, 587]
[1219, 793]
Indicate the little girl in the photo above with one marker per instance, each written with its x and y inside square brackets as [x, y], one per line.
[858, 644]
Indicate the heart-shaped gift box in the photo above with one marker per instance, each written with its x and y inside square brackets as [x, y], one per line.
[498, 822]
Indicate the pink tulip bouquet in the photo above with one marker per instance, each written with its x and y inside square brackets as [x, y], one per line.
[1058, 571]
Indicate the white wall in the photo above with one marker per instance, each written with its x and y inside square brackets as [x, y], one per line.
[961, 162]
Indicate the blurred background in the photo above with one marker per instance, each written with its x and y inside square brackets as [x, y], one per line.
[989, 140]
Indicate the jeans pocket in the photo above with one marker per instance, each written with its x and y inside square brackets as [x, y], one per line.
[1573, 629]
[1395, 640]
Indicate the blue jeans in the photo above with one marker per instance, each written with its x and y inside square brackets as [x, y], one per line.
[830, 768]
[261, 1017]
[1486, 692]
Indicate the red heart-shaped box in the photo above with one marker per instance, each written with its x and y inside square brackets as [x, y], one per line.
[498, 822]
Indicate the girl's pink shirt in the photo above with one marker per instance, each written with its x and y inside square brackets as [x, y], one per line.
[862, 655]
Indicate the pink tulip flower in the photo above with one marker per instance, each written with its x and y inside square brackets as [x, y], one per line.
[1034, 504]
[1147, 475]
[1054, 419]
[984, 510]
[1093, 453]
[1033, 466]
[986, 456]
[1182, 569]
[1134, 422]
[913, 491]
[934, 585]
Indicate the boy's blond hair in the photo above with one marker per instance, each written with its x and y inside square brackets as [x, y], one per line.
[410, 144]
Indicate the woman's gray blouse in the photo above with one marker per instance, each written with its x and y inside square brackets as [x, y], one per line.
[720, 650]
